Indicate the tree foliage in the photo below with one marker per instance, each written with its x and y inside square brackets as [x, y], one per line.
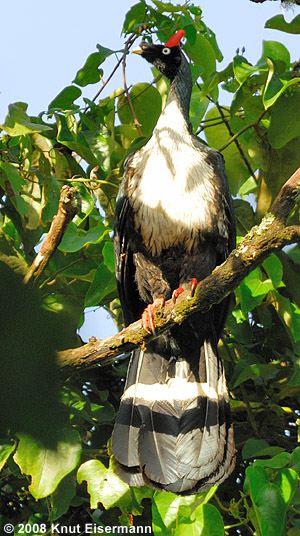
[54, 448]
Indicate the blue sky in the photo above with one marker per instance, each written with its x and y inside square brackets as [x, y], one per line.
[44, 44]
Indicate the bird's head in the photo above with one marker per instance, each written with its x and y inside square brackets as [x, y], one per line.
[166, 58]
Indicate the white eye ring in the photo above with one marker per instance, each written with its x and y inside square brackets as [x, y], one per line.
[166, 51]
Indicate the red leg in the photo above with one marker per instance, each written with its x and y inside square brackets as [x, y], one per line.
[147, 315]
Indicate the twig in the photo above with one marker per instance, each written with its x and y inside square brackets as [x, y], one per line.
[271, 235]
[220, 108]
[238, 145]
[128, 44]
[67, 209]
[240, 132]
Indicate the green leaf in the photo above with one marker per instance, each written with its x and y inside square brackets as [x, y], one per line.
[274, 269]
[6, 449]
[18, 123]
[65, 99]
[105, 413]
[254, 447]
[275, 85]
[244, 215]
[287, 480]
[276, 52]
[259, 288]
[249, 186]
[268, 502]
[87, 203]
[146, 101]
[104, 283]
[166, 6]
[103, 485]
[134, 17]
[278, 462]
[75, 238]
[285, 119]
[208, 521]
[245, 291]
[46, 466]
[276, 165]
[295, 460]
[289, 314]
[100, 144]
[294, 381]
[168, 505]
[202, 54]
[89, 73]
[271, 509]
[198, 107]
[242, 68]
[10, 173]
[61, 498]
[125, 134]
[258, 478]
[278, 23]
[109, 257]
[69, 136]
[255, 370]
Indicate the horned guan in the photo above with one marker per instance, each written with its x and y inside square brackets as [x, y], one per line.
[174, 222]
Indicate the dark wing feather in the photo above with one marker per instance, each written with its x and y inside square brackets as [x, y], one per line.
[124, 265]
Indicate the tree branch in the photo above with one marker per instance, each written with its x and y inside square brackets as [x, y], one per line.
[67, 208]
[271, 235]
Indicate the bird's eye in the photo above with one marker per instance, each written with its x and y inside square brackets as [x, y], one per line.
[166, 51]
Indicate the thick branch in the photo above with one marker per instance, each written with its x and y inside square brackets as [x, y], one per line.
[67, 209]
[271, 235]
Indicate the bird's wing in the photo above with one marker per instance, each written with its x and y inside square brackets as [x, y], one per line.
[125, 269]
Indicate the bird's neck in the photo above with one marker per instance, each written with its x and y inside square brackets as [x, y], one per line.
[180, 91]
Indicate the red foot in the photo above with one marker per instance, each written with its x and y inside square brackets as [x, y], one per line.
[194, 283]
[176, 293]
[147, 315]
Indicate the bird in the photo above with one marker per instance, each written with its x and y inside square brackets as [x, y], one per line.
[174, 223]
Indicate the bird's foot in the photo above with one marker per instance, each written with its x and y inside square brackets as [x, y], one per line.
[193, 286]
[179, 290]
[176, 293]
[147, 315]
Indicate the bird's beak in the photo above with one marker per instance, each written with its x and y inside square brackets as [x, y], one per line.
[137, 50]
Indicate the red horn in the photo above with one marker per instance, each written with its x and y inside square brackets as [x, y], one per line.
[175, 39]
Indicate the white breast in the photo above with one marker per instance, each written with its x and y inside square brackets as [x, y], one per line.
[172, 188]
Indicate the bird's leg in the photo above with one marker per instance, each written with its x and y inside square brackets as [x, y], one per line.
[147, 315]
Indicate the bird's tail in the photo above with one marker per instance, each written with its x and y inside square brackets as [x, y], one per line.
[173, 430]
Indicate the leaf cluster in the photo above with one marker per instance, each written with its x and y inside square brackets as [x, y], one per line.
[55, 435]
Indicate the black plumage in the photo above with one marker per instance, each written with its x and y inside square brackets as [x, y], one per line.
[174, 222]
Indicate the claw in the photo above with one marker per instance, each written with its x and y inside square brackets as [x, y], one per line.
[194, 283]
[147, 315]
[176, 293]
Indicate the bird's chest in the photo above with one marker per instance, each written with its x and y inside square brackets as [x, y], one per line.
[172, 193]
